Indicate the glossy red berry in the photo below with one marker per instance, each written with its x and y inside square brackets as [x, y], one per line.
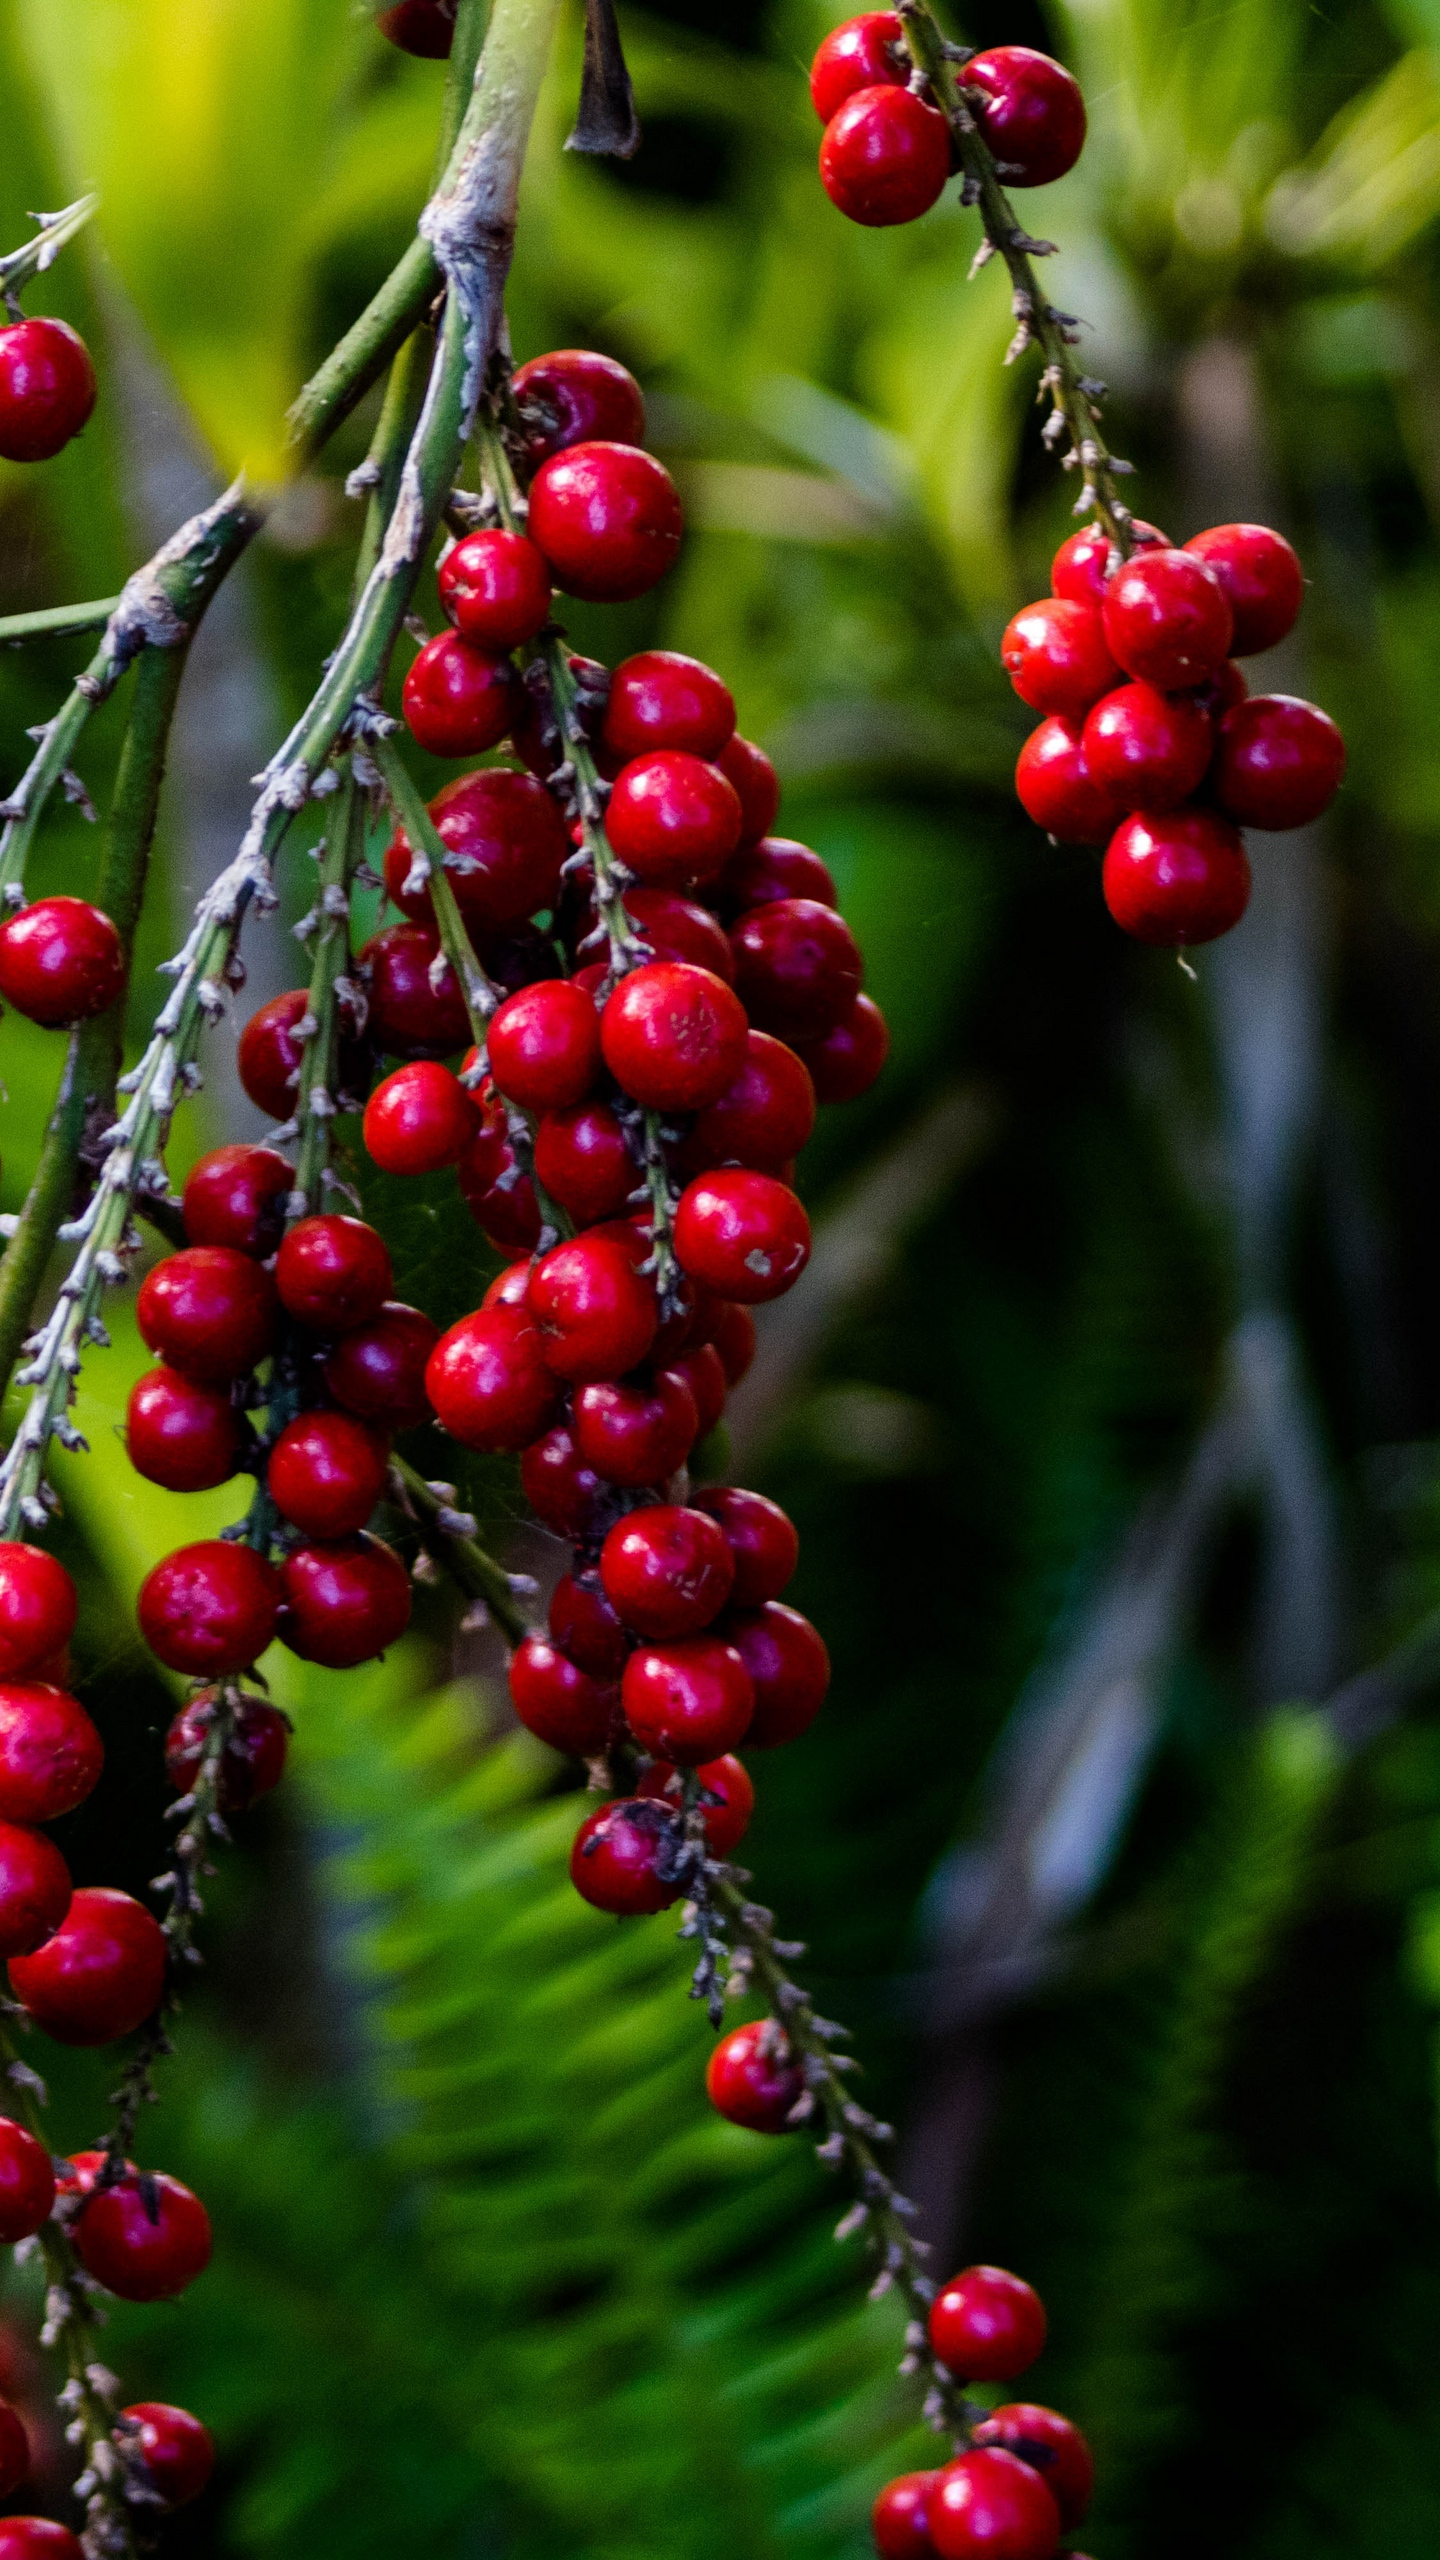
[423, 27]
[419, 1119]
[673, 1036]
[209, 1608]
[797, 967]
[412, 1014]
[327, 1472]
[555, 1699]
[699, 1370]
[988, 2506]
[1262, 579]
[50, 1752]
[1057, 657]
[181, 1434]
[1030, 111]
[270, 1058]
[726, 1822]
[1146, 749]
[38, 1603]
[235, 1196]
[885, 156]
[14, 2451]
[61, 961]
[732, 1332]
[252, 1761]
[574, 396]
[583, 1161]
[753, 2078]
[1083, 567]
[488, 1380]
[47, 388]
[863, 53]
[343, 1602]
[544, 1045]
[1167, 618]
[659, 699]
[744, 1234]
[1051, 2446]
[1179, 878]
[763, 1117]
[595, 1311]
[899, 2519]
[145, 2238]
[673, 819]
[623, 1858]
[502, 1204]
[565, 1494]
[987, 2325]
[677, 928]
[667, 1570]
[774, 867]
[457, 699]
[378, 1370]
[687, 1701]
[102, 1973]
[1056, 787]
[37, 2538]
[27, 2183]
[586, 1627]
[505, 842]
[333, 1272]
[177, 2453]
[636, 1431]
[608, 520]
[789, 1669]
[34, 1898]
[1279, 763]
[755, 779]
[761, 1538]
[495, 588]
[209, 1312]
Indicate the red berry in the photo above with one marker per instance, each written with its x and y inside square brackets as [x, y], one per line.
[608, 520]
[419, 1119]
[50, 1752]
[797, 967]
[753, 775]
[36, 2538]
[677, 929]
[253, 1758]
[343, 1602]
[1262, 579]
[488, 1381]
[210, 1312]
[505, 842]
[558, 1701]
[789, 1669]
[14, 2451]
[847, 1061]
[660, 699]
[987, 2325]
[209, 1608]
[327, 1472]
[622, 1858]
[595, 1311]
[673, 1036]
[34, 1897]
[1167, 619]
[899, 2517]
[584, 1624]
[744, 1234]
[858, 55]
[177, 2453]
[27, 2183]
[1056, 656]
[333, 1272]
[378, 1371]
[763, 1117]
[574, 395]
[495, 588]
[102, 1973]
[885, 156]
[673, 819]
[236, 1197]
[413, 1015]
[753, 2079]
[145, 2238]
[732, 1331]
[61, 961]
[700, 1372]
[423, 27]
[505, 1207]
[1280, 761]
[1056, 787]
[1178, 878]
[456, 698]
[181, 1434]
[727, 1822]
[687, 1701]
[1221, 691]
[47, 389]
[1030, 111]
[667, 1570]
[544, 1046]
[1051, 2446]
[774, 867]
[1083, 567]
[37, 1608]
[583, 1161]
[988, 2506]
[761, 1538]
[565, 1494]
[636, 1432]
[269, 1061]
[536, 736]
[1147, 750]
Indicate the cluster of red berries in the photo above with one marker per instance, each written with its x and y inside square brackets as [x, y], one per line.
[888, 150]
[47, 388]
[1164, 770]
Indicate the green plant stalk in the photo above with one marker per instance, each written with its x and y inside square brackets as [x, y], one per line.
[22, 265]
[399, 416]
[330, 957]
[56, 621]
[474, 1572]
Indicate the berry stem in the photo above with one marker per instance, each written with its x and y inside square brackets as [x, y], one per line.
[329, 939]
[22, 265]
[449, 1535]
[56, 621]
[427, 847]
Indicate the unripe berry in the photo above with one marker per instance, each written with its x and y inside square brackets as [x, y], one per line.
[61, 961]
[419, 1119]
[673, 1036]
[753, 2078]
[495, 588]
[181, 1434]
[47, 388]
[100, 1976]
[145, 2238]
[209, 1608]
[987, 2325]
[862, 53]
[574, 396]
[343, 1602]
[177, 2453]
[885, 156]
[608, 520]
[378, 1370]
[622, 1858]
[1029, 110]
[1179, 878]
[456, 698]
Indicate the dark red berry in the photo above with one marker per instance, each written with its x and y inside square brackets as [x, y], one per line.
[583, 1161]
[270, 1058]
[419, 1119]
[413, 1015]
[252, 1760]
[608, 520]
[622, 1858]
[660, 699]
[495, 588]
[1051, 2446]
[210, 1312]
[687, 1701]
[858, 55]
[1167, 619]
[753, 2078]
[595, 1311]
[1055, 786]
[699, 1370]
[38, 1602]
[565, 1494]
[102, 1973]
[177, 2454]
[145, 2238]
[1146, 749]
[50, 1752]
[727, 1822]
[37, 2538]
[584, 1624]
[378, 1371]
[885, 156]
[732, 1331]
[1179, 878]
[343, 1602]
[47, 388]
[797, 967]
[544, 1046]
[574, 395]
[774, 867]
[1030, 111]
[673, 1036]
[1221, 691]
[488, 1380]
[987, 2325]
[789, 1669]
[497, 1197]
[61, 961]
[753, 775]
[988, 2506]
[14, 2451]
[673, 819]
[423, 27]
[505, 842]
[848, 1060]
[1056, 656]
[744, 1234]
[333, 1272]
[667, 1570]
[236, 1197]
[636, 1431]
[209, 1608]
[677, 929]
[34, 1892]
[763, 1117]
[1262, 579]
[899, 2517]
[181, 1434]
[457, 699]
[1083, 567]
[761, 1538]
[558, 1701]
[27, 2183]
[327, 1472]
[1279, 763]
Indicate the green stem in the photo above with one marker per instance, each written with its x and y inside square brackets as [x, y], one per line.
[475, 1573]
[385, 462]
[24, 264]
[341, 382]
[330, 956]
[56, 621]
